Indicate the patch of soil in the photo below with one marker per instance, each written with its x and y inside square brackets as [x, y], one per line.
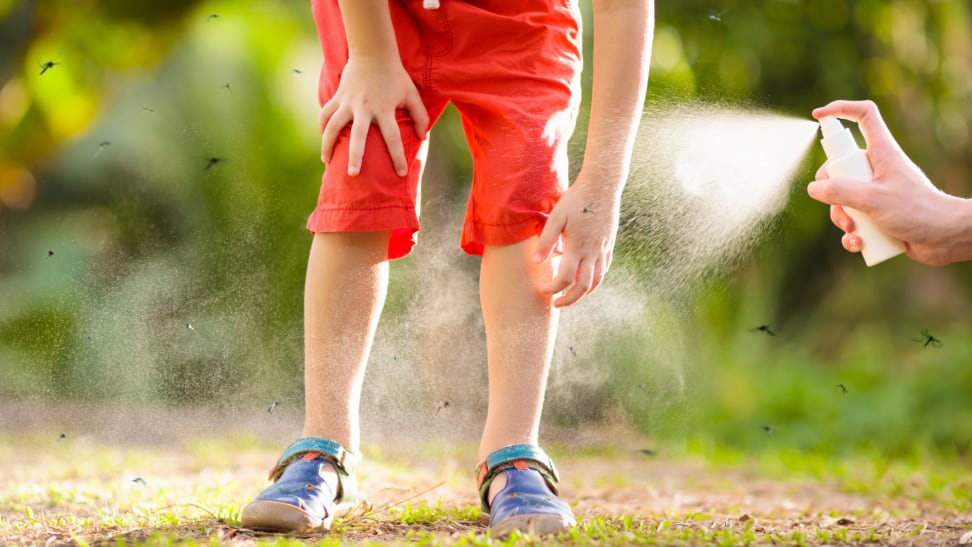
[659, 496]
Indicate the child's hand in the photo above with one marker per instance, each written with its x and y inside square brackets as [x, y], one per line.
[588, 223]
[369, 93]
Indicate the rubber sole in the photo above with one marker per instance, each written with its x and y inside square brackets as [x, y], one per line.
[284, 518]
[274, 516]
[536, 525]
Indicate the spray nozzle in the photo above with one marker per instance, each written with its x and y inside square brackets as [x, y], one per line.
[837, 140]
[830, 126]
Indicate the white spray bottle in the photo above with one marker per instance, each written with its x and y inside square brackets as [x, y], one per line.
[847, 161]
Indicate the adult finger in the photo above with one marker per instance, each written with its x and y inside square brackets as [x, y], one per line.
[866, 115]
[841, 219]
[852, 242]
[821, 173]
[850, 193]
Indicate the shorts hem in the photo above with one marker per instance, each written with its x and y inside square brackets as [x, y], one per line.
[401, 221]
[476, 236]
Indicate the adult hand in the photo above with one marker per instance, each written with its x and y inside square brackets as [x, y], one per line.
[901, 200]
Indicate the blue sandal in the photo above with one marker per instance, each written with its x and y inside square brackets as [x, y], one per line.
[300, 501]
[529, 501]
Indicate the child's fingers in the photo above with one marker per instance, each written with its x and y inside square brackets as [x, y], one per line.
[328, 110]
[585, 280]
[393, 140]
[420, 116]
[332, 126]
[564, 276]
[548, 237]
[600, 268]
[582, 282]
[356, 145]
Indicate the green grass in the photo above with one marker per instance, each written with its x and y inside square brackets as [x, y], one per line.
[935, 477]
[191, 493]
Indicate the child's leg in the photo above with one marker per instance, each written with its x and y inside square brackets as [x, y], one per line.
[521, 324]
[347, 278]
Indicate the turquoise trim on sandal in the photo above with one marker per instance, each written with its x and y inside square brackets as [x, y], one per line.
[343, 459]
[522, 452]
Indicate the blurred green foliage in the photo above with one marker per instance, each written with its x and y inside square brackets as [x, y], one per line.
[159, 160]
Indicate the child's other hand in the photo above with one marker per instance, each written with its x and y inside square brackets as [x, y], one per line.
[369, 93]
[588, 223]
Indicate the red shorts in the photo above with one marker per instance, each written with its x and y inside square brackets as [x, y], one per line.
[512, 70]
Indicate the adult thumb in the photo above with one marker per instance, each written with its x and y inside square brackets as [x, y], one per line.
[842, 192]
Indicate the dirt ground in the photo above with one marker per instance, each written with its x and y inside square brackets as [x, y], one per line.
[662, 494]
[676, 495]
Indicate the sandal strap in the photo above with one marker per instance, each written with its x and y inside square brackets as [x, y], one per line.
[344, 460]
[519, 456]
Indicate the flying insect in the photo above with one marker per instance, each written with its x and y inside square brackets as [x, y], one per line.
[763, 328]
[929, 339]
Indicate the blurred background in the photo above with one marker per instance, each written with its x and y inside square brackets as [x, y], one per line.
[158, 161]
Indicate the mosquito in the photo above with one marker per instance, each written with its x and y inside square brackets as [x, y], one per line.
[842, 387]
[273, 406]
[589, 208]
[929, 340]
[763, 328]
[440, 405]
[47, 66]
[211, 162]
